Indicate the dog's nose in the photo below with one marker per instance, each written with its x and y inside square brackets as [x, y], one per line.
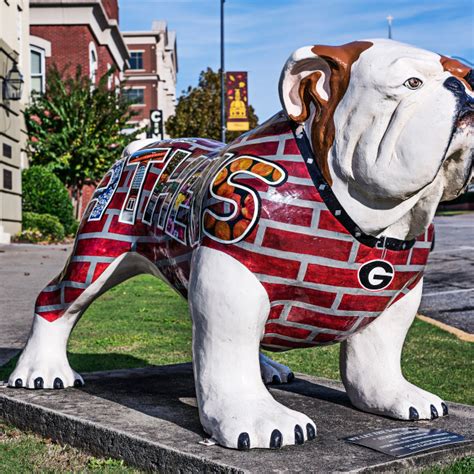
[467, 108]
[454, 85]
[470, 78]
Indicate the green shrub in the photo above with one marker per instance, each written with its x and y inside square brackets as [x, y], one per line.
[43, 193]
[48, 225]
[32, 236]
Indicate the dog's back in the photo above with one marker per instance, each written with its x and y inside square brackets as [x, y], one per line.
[148, 203]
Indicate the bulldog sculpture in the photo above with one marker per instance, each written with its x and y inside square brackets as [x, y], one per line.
[312, 229]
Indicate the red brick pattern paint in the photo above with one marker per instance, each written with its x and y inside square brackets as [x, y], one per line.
[99, 243]
[305, 259]
[316, 297]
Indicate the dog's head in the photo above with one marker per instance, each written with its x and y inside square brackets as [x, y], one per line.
[386, 118]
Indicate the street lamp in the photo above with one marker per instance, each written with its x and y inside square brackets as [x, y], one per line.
[13, 84]
[223, 93]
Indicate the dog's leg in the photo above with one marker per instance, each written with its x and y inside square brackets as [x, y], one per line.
[371, 370]
[229, 308]
[273, 372]
[43, 363]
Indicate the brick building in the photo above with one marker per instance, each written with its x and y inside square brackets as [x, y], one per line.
[86, 32]
[72, 32]
[151, 78]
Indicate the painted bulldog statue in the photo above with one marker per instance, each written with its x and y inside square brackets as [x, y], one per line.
[312, 229]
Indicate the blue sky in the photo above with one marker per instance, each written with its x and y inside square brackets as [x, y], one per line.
[261, 34]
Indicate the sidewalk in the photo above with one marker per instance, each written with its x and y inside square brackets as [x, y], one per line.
[24, 271]
[448, 290]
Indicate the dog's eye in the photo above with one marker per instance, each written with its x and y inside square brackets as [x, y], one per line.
[413, 83]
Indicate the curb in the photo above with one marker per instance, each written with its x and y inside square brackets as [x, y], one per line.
[460, 334]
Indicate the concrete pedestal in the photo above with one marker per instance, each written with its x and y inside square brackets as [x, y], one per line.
[4, 237]
[149, 418]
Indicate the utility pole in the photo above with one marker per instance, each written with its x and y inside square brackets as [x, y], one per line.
[389, 19]
[223, 94]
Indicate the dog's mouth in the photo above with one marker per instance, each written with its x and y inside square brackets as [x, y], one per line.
[465, 119]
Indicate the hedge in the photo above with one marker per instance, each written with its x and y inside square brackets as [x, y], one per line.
[44, 193]
[49, 227]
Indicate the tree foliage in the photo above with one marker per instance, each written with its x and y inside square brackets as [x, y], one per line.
[198, 111]
[75, 128]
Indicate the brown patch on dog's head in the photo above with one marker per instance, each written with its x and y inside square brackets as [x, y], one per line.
[334, 62]
[340, 59]
[459, 70]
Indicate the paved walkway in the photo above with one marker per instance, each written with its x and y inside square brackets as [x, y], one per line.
[24, 271]
[448, 293]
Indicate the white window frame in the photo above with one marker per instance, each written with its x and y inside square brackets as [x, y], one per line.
[137, 88]
[110, 80]
[42, 74]
[138, 51]
[93, 65]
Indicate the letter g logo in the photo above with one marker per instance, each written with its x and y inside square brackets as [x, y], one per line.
[376, 275]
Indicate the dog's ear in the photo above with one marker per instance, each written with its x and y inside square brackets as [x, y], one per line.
[304, 79]
[317, 75]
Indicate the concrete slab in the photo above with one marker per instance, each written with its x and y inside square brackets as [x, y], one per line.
[148, 418]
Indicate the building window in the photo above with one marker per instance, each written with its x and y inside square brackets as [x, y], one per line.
[7, 179]
[135, 96]
[93, 62]
[37, 70]
[136, 60]
[110, 79]
[7, 150]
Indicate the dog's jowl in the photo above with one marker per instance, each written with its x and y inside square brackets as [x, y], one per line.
[312, 229]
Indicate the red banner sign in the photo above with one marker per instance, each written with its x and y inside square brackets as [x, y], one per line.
[237, 101]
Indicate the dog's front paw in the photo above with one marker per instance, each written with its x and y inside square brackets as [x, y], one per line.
[44, 373]
[406, 402]
[274, 373]
[241, 423]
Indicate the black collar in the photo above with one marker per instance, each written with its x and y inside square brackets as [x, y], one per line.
[324, 189]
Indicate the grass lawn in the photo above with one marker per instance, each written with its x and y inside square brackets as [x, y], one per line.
[143, 322]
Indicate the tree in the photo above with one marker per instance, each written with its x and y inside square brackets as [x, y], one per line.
[198, 111]
[76, 128]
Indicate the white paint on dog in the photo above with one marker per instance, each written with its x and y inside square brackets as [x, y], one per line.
[392, 159]
[228, 322]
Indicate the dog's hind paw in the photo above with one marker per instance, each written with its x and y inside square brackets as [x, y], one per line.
[37, 374]
[274, 373]
[408, 402]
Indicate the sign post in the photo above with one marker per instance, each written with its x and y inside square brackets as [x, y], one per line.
[156, 124]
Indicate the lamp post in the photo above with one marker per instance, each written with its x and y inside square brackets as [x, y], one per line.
[222, 75]
[389, 19]
[13, 84]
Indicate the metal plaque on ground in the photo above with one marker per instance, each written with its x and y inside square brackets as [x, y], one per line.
[400, 442]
